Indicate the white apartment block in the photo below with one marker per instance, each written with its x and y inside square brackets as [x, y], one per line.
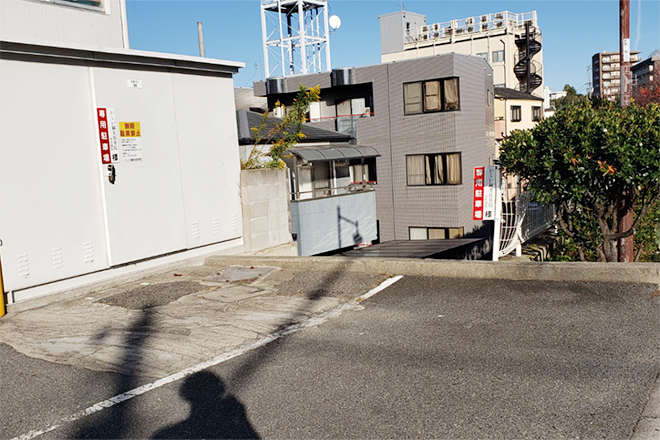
[606, 73]
[100, 23]
[510, 42]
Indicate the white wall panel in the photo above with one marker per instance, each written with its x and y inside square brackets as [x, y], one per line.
[57, 22]
[51, 221]
[209, 157]
[145, 204]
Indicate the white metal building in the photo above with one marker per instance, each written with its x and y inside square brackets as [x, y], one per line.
[96, 22]
[111, 157]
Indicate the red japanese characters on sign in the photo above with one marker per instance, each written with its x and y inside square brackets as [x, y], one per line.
[104, 138]
[478, 194]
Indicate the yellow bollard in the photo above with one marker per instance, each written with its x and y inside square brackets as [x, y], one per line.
[3, 310]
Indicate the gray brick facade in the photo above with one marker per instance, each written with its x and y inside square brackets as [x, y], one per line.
[468, 131]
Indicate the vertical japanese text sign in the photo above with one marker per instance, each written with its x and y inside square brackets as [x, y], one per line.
[104, 137]
[484, 194]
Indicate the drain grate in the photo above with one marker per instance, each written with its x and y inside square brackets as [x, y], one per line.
[238, 273]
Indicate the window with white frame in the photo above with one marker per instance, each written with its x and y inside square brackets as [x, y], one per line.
[498, 56]
[431, 233]
[434, 169]
[431, 96]
[82, 3]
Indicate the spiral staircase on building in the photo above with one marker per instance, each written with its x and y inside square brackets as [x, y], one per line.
[526, 69]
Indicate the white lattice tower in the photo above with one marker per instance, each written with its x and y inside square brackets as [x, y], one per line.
[295, 36]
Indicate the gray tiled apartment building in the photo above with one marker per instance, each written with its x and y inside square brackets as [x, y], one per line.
[428, 144]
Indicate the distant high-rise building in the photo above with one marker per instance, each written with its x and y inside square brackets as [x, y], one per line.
[606, 73]
[511, 43]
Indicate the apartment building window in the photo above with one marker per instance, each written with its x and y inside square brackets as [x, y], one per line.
[431, 96]
[498, 56]
[516, 113]
[483, 55]
[83, 3]
[433, 169]
[424, 233]
[536, 113]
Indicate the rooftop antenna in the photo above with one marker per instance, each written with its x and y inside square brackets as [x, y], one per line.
[295, 36]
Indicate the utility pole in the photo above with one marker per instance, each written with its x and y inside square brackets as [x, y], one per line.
[626, 214]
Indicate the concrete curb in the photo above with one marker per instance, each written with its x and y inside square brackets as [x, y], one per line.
[503, 270]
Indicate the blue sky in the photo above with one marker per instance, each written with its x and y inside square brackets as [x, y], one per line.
[572, 30]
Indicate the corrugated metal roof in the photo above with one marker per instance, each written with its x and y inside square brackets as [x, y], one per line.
[335, 152]
[246, 119]
[411, 248]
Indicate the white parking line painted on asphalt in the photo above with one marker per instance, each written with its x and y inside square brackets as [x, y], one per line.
[382, 286]
[312, 322]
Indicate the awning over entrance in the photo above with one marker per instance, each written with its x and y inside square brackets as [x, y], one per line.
[412, 248]
[326, 153]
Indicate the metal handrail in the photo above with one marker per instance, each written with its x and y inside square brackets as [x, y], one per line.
[321, 193]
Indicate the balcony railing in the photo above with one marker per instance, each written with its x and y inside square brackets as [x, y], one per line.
[319, 193]
[473, 25]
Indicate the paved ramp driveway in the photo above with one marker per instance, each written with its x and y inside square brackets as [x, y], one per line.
[449, 358]
[427, 358]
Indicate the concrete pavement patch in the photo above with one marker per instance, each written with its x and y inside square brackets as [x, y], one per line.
[169, 321]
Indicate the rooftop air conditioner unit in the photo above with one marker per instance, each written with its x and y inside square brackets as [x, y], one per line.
[459, 30]
[436, 35]
[425, 37]
[484, 26]
[470, 29]
[484, 18]
[436, 27]
[499, 24]
[499, 16]
[425, 28]
[447, 32]
[468, 21]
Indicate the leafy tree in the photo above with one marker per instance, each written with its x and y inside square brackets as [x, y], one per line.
[647, 93]
[571, 96]
[284, 134]
[583, 160]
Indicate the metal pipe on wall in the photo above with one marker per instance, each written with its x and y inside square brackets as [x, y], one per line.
[200, 38]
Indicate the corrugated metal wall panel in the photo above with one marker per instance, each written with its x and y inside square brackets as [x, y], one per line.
[333, 223]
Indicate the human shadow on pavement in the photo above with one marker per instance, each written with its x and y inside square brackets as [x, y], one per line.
[214, 413]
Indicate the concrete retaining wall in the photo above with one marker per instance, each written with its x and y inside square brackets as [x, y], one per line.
[266, 219]
[503, 270]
